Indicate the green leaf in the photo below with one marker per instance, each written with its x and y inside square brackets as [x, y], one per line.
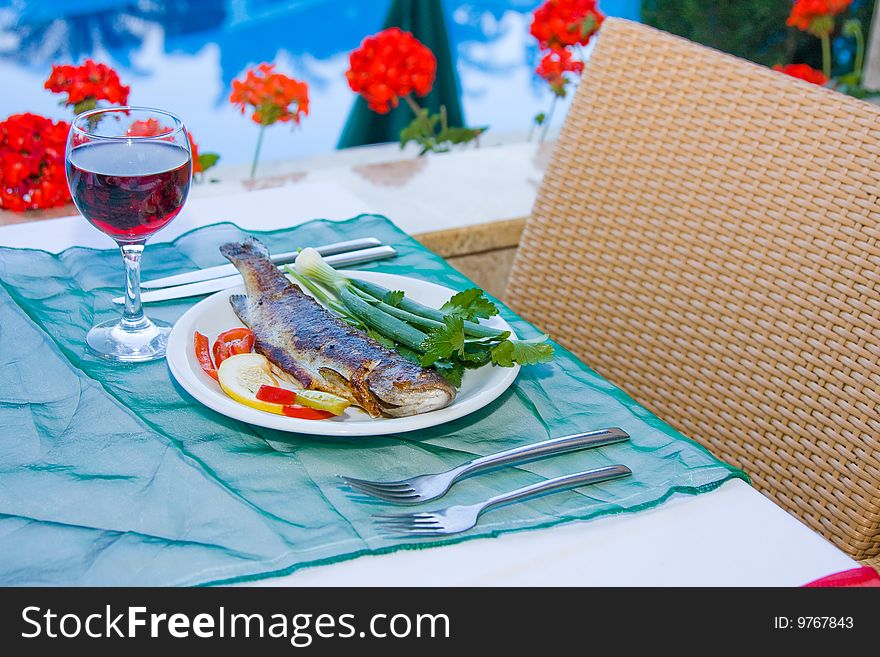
[421, 130]
[393, 298]
[85, 105]
[850, 79]
[821, 25]
[478, 351]
[522, 352]
[490, 339]
[207, 160]
[430, 132]
[539, 119]
[476, 355]
[381, 339]
[588, 26]
[460, 135]
[444, 342]
[409, 354]
[471, 304]
[451, 370]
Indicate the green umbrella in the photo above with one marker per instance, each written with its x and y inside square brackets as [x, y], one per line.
[424, 18]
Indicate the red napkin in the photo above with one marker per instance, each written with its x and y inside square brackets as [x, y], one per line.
[864, 576]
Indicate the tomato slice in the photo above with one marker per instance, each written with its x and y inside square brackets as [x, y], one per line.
[275, 395]
[232, 342]
[304, 413]
[203, 354]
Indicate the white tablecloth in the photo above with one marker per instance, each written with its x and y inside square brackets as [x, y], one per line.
[732, 536]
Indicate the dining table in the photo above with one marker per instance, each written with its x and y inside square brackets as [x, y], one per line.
[730, 536]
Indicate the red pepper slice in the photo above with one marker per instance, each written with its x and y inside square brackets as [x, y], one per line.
[305, 413]
[276, 395]
[232, 342]
[203, 353]
[221, 352]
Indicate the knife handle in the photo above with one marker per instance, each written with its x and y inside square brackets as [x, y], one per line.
[329, 250]
[217, 284]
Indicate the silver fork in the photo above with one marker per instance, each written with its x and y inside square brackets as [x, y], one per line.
[424, 488]
[460, 518]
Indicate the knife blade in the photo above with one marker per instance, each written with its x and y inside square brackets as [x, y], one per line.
[280, 259]
[215, 285]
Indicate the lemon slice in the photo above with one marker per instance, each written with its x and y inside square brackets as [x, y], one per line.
[240, 377]
[322, 401]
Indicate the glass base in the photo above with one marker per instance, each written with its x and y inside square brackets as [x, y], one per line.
[115, 341]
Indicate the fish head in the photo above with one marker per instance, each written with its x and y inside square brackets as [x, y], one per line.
[412, 392]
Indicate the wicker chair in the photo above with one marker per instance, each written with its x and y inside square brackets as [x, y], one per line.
[707, 236]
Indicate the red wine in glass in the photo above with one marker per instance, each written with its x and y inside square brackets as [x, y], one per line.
[129, 191]
[129, 171]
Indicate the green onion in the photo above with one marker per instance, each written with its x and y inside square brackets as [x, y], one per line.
[389, 326]
[317, 292]
[412, 318]
[426, 312]
[310, 264]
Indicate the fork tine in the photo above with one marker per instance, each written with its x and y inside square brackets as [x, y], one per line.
[408, 523]
[421, 515]
[389, 497]
[414, 532]
[386, 485]
[379, 489]
[372, 486]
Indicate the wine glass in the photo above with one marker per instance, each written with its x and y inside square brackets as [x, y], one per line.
[129, 171]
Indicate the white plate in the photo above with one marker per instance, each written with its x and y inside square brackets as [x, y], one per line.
[214, 315]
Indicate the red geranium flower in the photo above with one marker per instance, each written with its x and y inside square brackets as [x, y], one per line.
[803, 72]
[148, 128]
[816, 16]
[554, 66]
[152, 128]
[87, 84]
[391, 65]
[558, 24]
[274, 96]
[32, 163]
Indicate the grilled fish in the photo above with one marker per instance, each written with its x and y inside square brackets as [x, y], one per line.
[320, 351]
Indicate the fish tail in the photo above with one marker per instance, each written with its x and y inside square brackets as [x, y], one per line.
[250, 247]
[251, 258]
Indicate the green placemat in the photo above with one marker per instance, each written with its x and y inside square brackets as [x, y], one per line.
[113, 475]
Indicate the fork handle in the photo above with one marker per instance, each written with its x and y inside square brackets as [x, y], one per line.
[595, 476]
[546, 448]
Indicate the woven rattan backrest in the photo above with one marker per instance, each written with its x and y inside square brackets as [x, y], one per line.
[707, 236]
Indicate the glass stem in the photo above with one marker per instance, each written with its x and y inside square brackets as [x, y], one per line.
[133, 317]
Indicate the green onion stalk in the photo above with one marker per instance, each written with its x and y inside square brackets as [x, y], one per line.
[310, 264]
[316, 291]
[422, 312]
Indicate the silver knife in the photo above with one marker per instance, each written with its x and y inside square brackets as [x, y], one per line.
[215, 285]
[280, 259]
